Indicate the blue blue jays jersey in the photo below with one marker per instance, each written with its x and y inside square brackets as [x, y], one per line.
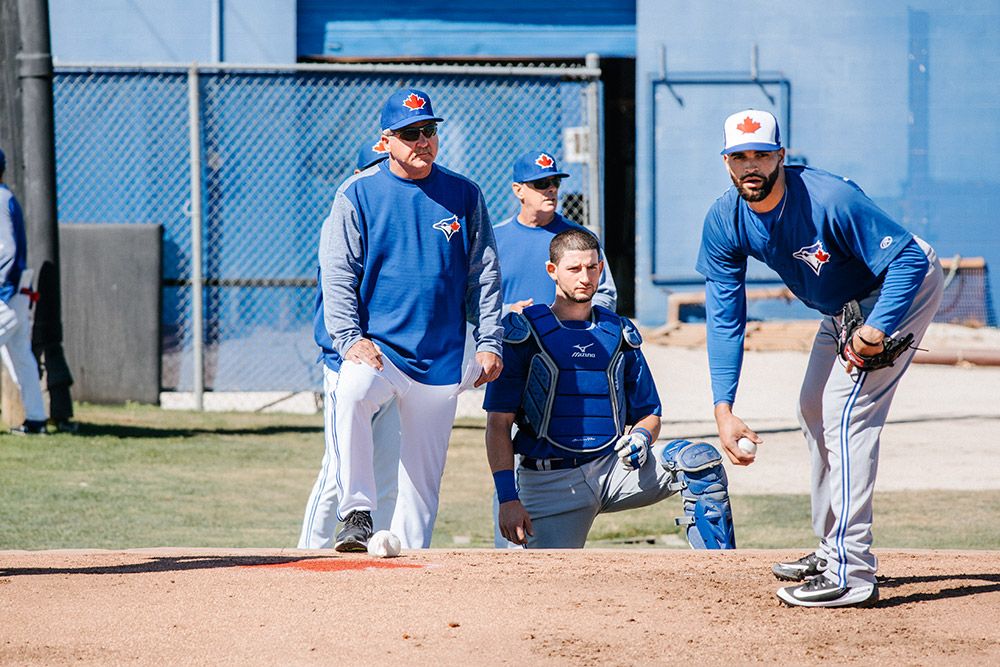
[406, 263]
[505, 394]
[827, 240]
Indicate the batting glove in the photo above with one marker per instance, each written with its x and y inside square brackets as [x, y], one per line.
[632, 448]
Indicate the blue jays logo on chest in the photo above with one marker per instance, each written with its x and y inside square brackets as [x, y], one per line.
[813, 255]
[449, 226]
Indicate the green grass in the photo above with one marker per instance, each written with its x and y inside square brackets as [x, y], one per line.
[138, 476]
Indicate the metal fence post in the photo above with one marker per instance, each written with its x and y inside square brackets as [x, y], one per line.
[594, 219]
[197, 311]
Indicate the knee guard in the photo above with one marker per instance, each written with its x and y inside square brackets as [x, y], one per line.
[701, 478]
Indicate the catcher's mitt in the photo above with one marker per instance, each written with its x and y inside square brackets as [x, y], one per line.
[851, 319]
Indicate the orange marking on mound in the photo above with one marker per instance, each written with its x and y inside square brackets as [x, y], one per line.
[339, 564]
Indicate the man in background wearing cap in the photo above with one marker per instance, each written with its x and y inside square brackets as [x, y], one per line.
[831, 245]
[406, 257]
[15, 321]
[523, 239]
[319, 525]
[523, 246]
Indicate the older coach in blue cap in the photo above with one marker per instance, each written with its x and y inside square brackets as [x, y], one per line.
[406, 257]
[523, 239]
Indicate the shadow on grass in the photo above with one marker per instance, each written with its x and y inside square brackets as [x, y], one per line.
[990, 584]
[125, 431]
[163, 564]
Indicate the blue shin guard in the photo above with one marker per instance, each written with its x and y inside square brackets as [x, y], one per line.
[701, 478]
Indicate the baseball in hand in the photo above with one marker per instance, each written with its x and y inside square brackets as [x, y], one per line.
[383, 544]
[747, 445]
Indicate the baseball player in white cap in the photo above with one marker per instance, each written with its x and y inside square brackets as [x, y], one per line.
[406, 257]
[16, 298]
[878, 288]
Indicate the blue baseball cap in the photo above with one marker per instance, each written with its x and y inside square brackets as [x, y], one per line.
[536, 165]
[373, 153]
[406, 107]
[751, 130]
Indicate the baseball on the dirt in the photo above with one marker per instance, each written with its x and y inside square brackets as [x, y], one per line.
[383, 544]
[747, 445]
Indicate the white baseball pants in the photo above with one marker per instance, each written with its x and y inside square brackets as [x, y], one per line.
[319, 526]
[15, 337]
[842, 418]
[426, 415]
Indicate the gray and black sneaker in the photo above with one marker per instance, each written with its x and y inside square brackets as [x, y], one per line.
[30, 427]
[803, 568]
[821, 592]
[355, 533]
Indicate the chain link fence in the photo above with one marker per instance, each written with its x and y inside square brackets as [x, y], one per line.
[273, 147]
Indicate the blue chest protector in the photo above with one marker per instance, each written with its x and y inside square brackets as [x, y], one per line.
[575, 392]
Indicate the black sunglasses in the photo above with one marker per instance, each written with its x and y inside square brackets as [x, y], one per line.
[545, 183]
[413, 134]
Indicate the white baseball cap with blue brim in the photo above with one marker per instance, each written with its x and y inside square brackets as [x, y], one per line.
[751, 130]
[406, 107]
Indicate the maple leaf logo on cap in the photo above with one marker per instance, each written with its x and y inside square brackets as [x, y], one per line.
[544, 161]
[414, 102]
[748, 126]
[382, 146]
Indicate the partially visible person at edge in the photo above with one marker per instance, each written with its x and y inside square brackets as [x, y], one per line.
[16, 297]
[831, 245]
[406, 257]
[319, 525]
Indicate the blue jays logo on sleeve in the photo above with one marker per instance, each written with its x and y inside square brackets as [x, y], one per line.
[814, 256]
[449, 226]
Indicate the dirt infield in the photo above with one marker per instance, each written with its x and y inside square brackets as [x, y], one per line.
[590, 607]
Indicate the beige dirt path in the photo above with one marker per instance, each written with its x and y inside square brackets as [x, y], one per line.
[589, 607]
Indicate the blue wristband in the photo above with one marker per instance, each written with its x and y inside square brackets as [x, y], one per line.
[506, 487]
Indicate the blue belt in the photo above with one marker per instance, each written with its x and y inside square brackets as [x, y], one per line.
[554, 464]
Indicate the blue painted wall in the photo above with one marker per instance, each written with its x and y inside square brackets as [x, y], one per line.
[849, 67]
[441, 28]
[250, 31]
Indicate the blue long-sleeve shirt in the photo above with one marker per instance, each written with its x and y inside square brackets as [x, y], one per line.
[405, 263]
[827, 241]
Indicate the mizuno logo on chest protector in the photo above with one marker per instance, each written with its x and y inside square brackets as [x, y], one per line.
[814, 256]
[581, 351]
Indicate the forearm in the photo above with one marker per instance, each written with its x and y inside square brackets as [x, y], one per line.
[499, 446]
[651, 423]
[899, 287]
[341, 264]
[725, 309]
[484, 296]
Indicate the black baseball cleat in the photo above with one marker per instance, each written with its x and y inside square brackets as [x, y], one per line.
[66, 426]
[803, 568]
[30, 427]
[821, 592]
[355, 533]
